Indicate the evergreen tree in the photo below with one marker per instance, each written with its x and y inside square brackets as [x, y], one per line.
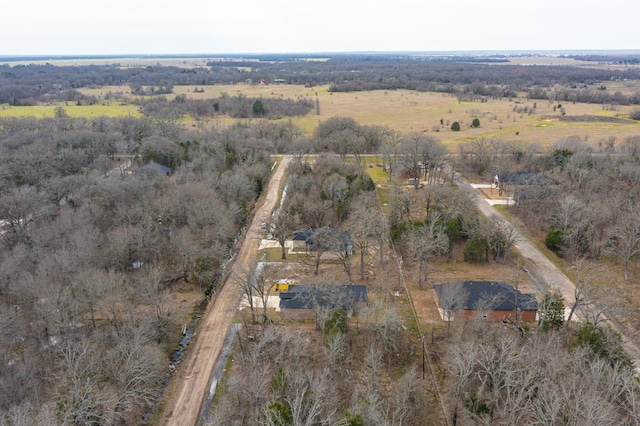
[552, 311]
[258, 108]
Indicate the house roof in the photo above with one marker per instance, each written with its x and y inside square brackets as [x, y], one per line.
[499, 296]
[154, 169]
[302, 234]
[525, 178]
[329, 238]
[331, 296]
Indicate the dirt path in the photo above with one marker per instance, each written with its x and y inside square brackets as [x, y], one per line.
[192, 380]
[549, 275]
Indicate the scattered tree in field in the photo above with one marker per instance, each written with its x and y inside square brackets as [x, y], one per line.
[455, 127]
[475, 123]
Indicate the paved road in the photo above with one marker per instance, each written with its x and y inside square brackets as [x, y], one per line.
[547, 273]
[192, 380]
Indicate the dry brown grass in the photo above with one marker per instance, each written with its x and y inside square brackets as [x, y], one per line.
[409, 111]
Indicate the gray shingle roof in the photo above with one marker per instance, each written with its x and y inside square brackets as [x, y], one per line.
[502, 295]
[331, 296]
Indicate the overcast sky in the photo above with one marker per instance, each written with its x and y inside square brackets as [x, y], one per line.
[69, 27]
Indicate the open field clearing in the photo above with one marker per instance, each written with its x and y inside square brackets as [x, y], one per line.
[517, 119]
[512, 120]
[76, 111]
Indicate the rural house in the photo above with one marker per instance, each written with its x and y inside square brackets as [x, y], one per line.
[485, 299]
[512, 181]
[154, 169]
[302, 301]
[326, 239]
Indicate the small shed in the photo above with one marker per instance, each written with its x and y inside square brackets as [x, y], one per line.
[486, 299]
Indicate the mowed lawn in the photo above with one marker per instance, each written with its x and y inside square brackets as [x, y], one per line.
[401, 110]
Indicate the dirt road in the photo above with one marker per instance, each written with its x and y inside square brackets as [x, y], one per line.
[551, 277]
[192, 379]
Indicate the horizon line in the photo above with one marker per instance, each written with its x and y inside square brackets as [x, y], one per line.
[487, 52]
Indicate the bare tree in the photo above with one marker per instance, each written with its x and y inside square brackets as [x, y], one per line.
[424, 242]
[390, 153]
[247, 279]
[136, 366]
[588, 274]
[367, 224]
[90, 288]
[151, 288]
[402, 204]
[452, 297]
[413, 150]
[317, 213]
[281, 226]
[624, 241]
[404, 395]
[501, 235]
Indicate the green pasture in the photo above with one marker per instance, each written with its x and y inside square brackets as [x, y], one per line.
[384, 186]
[76, 111]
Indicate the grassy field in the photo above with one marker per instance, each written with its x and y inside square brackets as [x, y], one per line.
[409, 111]
[88, 111]
[404, 111]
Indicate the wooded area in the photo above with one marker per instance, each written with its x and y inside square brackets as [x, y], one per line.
[115, 234]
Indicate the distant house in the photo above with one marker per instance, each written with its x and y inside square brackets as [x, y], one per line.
[326, 238]
[301, 301]
[485, 299]
[301, 237]
[153, 169]
[511, 181]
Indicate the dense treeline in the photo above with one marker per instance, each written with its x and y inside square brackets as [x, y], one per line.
[25, 85]
[589, 200]
[91, 257]
[237, 106]
[491, 374]
[29, 84]
[363, 371]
